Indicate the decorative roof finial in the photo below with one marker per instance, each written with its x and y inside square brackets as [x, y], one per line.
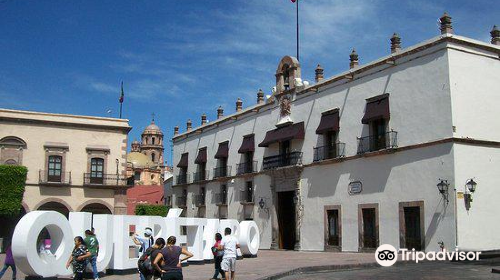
[446, 26]
[318, 73]
[395, 43]
[354, 58]
[495, 35]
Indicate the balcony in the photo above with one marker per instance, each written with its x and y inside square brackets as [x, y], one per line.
[293, 158]
[221, 199]
[200, 176]
[246, 167]
[246, 197]
[199, 200]
[54, 177]
[388, 140]
[222, 171]
[91, 179]
[182, 179]
[181, 202]
[329, 152]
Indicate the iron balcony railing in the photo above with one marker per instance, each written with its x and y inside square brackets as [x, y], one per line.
[180, 201]
[221, 199]
[222, 171]
[199, 200]
[182, 179]
[329, 152]
[246, 196]
[246, 167]
[388, 140]
[104, 179]
[54, 177]
[200, 176]
[293, 158]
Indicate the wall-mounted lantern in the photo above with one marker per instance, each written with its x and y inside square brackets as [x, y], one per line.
[470, 187]
[443, 186]
[262, 203]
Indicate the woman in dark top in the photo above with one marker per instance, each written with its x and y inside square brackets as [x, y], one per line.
[78, 258]
[168, 260]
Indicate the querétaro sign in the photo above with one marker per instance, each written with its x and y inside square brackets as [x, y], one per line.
[112, 232]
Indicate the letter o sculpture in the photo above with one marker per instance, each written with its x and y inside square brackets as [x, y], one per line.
[24, 244]
[249, 238]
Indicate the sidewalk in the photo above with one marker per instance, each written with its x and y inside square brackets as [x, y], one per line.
[266, 264]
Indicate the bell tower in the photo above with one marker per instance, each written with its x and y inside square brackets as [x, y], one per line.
[152, 143]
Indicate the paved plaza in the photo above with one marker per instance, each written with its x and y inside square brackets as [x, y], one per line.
[327, 265]
[266, 264]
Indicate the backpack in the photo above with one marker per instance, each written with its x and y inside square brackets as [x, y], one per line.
[145, 264]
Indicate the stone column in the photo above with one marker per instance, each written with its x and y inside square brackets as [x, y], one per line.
[299, 209]
[274, 217]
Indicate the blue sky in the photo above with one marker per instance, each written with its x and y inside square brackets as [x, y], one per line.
[180, 59]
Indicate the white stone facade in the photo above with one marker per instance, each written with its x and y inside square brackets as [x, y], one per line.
[443, 106]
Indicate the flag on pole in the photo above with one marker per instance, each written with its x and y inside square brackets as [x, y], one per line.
[122, 95]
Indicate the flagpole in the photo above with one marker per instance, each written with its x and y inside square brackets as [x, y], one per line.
[297, 1]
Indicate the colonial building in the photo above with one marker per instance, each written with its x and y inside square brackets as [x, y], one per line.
[386, 152]
[75, 163]
[145, 160]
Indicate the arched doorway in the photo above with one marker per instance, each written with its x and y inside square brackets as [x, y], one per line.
[55, 206]
[96, 208]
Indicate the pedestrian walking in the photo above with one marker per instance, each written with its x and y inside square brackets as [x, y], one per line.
[229, 244]
[93, 247]
[168, 261]
[145, 263]
[78, 258]
[9, 262]
[145, 242]
[218, 257]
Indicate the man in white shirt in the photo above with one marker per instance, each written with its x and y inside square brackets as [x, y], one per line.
[229, 244]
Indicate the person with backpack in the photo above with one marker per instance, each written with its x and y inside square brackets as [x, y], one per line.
[145, 263]
[78, 258]
[145, 242]
[218, 254]
[93, 247]
[168, 261]
[9, 262]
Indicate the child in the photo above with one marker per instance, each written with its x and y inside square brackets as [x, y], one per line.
[78, 258]
[218, 254]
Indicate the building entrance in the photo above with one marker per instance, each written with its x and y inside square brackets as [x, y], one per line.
[286, 220]
[413, 236]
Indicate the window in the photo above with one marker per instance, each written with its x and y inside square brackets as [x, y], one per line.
[249, 192]
[223, 194]
[153, 140]
[286, 77]
[54, 169]
[10, 162]
[333, 228]
[96, 170]
[330, 143]
[137, 176]
[153, 157]
[378, 129]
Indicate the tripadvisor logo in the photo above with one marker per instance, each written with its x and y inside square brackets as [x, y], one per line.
[387, 255]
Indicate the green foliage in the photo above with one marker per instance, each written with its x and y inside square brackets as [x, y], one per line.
[12, 183]
[151, 210]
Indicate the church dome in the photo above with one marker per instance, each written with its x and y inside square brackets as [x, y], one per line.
[139, 160]
[152, 129]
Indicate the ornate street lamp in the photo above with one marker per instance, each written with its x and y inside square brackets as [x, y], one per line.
[443, 189]
[471, 185]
